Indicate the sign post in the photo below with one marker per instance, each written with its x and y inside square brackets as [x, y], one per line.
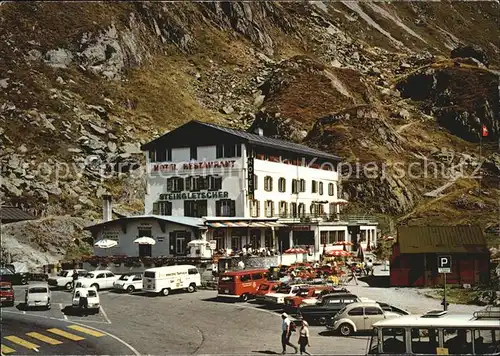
[444, 267]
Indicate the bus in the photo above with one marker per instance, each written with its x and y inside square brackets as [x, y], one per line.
[438, 333]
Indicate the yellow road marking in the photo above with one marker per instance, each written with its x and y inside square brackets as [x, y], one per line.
[66, 334]
[19, 341]
[7, 350]
[86, 330]
[44, 338]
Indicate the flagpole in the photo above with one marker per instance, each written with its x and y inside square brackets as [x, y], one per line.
[480, 157]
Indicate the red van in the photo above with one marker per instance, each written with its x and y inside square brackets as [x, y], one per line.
[240, 285]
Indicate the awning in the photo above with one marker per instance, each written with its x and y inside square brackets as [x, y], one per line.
[244, 224]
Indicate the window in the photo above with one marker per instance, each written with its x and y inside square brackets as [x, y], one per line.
[302, 209]
[180, 244]
[192, 271]
[458, 341]
[175, 184]
[333, 237]
[332, 208]
[302, 185]
[101, 275]
[293, 209]
[424, 341]
[323, 237]
[254, 208]
[236, 243]
[355, 311]
[269, 208]
[341, 236]
[214, 183]
[334, 301]
[373, 311]
[257, 276]
[282, 185]
[218, 236]
[195, 208]
[320, 188]
[255, 238]
[163, 155]
[225, 207]
[144, 231]
[486, 341]
[283, 209]
[268, 239]
[137, 278]
[227, 278]
[393, 341]
[295, 186]
[314, 186]
[228, 150]
[193, 153]
[164, 208]
[330, 189]
[245, 278]
[152, 156]
[268, 183]
[109, 275]
[255, 182]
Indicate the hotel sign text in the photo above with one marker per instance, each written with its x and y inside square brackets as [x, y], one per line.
[194, 195]
[192, 165]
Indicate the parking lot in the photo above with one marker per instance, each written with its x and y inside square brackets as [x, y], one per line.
[181, 323]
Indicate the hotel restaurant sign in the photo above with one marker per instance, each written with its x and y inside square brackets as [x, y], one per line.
[189, 166]
[194, 195]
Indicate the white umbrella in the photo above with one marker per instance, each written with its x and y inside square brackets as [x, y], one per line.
[106, 243]
[145, 240]
[197, 242]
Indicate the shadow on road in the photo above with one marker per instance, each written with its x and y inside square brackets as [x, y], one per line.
[376, 281]
[266, 352]
[72, 311]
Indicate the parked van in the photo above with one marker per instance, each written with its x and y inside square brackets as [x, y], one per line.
[162, 280]
[242, 285]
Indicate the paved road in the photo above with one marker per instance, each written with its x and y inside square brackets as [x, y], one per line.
[179, 324]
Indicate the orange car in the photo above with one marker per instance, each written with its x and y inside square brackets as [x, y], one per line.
[266, 288]
[308, 295]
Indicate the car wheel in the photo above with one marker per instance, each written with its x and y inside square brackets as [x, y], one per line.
[244, 297]
[69, 286]
[95, 285]
[130, 289]
[345, 329]
[322, 321]
[24, 281]
[165, 292]
[191, 288]
[48, 306]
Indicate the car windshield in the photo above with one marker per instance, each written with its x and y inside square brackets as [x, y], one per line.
[92, 293]
[264, 287]
[38, 290]
[227, 278]
[5, 288]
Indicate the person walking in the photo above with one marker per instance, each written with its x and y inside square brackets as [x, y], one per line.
[369, 267]
[353, 274]
[304, 338]
[286, 333]
[75, 278]
[84, 302]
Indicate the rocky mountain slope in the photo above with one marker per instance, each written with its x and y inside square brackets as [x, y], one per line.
[83, 84]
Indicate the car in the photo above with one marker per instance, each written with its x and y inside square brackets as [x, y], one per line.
[8, 275]
[283, 292]
[129, 282]
[240, 285]
[98, 279]
[38, 295]
[357, 317]
[265, 289]
[6, 294]
[64, 279]
[326, 308]
[309, 295]
[92, 299]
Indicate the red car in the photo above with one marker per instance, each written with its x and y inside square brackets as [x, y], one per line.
[308, 295]
[6, 294]
[266, 288]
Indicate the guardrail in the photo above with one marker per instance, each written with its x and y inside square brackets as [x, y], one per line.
[308, 218]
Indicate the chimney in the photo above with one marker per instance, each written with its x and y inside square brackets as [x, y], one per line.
[107, 211]
[259, 131]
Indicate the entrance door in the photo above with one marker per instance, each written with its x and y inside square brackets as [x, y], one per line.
[283, 240]
[145, 250]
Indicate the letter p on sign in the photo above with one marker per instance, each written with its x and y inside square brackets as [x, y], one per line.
[444, 264]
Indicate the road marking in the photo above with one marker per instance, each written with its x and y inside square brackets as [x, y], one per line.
[105, 315]
[19, 341]
[86, 330]
[7, 350]
[44, 338]
[64, 315]
[65, 334]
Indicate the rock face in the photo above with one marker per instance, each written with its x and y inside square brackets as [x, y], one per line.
[470, 51]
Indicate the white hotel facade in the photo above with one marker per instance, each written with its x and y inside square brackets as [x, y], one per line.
[235, 188]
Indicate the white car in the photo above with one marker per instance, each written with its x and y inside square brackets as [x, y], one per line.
[98, 279]
[282, 293]
[64, 279]
[38, 295]
[129, 282]
[360, 316]
[92, 298]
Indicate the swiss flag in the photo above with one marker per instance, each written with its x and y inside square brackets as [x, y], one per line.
[484, 131]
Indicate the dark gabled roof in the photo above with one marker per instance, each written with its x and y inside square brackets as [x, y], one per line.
[13, 213]
[441, 239]
[251, 138]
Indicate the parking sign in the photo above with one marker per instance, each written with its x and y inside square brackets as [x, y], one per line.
[444, 264]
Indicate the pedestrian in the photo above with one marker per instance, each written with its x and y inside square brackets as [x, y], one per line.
[83, 302]
[304, 338]
[75, 278]
[369, 267]
[353, 274]
[286, 332]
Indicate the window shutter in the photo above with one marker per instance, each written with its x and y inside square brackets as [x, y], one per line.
[219, 151]
[218, 183]
[238, 150]
[169, 184]
[255, 181]
[155, 208]
[258, 208]
[171, 243]
[169, 208]
[233, 208]
[188, 183]
[217, 208]
[181, 183]
[152, 157]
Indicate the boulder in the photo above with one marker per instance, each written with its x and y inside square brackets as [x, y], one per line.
[58, 58]
[472, 51]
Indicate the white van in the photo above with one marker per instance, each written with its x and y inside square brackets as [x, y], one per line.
[165, 279]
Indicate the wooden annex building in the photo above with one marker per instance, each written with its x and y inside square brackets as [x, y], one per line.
[415, 255]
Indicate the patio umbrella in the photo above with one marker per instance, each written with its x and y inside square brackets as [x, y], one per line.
[345, 243]
[337, 253]
[106, 243]
[296, 251]
[145, 240]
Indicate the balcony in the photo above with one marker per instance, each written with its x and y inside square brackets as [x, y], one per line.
[316, 218]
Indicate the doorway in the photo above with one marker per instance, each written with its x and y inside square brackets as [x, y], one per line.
[145, 250]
